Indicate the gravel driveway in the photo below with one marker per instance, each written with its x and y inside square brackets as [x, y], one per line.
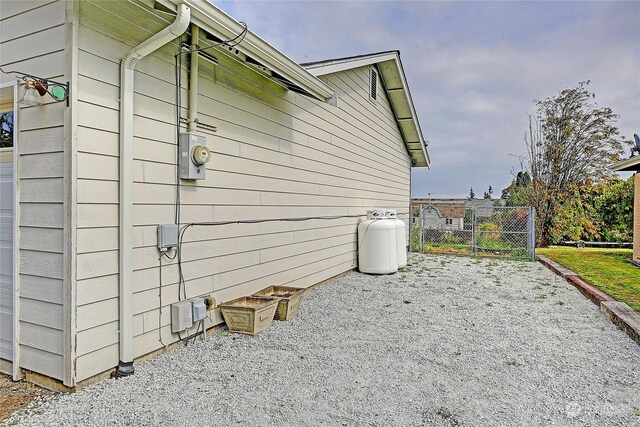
[450, 341]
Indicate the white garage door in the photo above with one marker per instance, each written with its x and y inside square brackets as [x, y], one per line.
[6, 229]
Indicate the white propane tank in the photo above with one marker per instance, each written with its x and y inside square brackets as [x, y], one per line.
[377, 253]
[401, 230]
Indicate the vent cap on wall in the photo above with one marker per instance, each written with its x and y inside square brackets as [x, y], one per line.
[373, 86]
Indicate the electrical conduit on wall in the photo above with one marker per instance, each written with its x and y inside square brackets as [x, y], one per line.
[193, 79]
[127, 68]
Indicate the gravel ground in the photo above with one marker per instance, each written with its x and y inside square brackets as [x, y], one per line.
[449, 341]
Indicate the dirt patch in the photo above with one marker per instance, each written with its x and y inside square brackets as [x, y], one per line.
[16, 396]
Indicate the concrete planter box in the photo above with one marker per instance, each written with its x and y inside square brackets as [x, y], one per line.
[249, 315]
[290, 300]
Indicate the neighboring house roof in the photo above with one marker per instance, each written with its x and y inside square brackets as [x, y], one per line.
[397, 89]
[279, 67]
[630, 164]
[459, 202]
[443, 212]
[438, 201]
[452, 212]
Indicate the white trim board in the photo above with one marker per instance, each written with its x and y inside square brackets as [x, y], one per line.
[16, 297]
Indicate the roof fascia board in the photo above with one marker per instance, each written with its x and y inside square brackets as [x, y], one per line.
[215, 21]
[623, 165]
[337, 65]
[334, 66]
[407, 93]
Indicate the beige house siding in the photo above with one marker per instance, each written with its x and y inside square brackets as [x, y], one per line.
[276, 154]
[40, 188]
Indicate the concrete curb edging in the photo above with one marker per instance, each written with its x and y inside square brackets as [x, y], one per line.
[589, 291]
[560, 270]
[619, 313]
[624, 317]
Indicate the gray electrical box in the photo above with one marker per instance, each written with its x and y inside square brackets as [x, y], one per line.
[199, 309]
[194, 155]
[167, 237]
[181, 316]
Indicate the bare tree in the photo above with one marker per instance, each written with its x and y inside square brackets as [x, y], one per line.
[570, 140]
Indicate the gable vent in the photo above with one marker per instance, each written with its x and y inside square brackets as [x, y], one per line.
[373, 92]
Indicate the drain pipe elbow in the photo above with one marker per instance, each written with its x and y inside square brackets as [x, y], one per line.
[175, 29]
[127, 67]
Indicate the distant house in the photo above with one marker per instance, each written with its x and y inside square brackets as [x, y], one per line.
[633, 164]
[92, 172]
[484, 208]
[449, 213]
[443, 218]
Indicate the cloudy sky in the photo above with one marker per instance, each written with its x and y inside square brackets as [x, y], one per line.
[473, 68]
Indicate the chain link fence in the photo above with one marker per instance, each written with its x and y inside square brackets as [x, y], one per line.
[497, 231]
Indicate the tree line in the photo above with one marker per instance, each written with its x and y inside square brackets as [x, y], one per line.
[570, 143]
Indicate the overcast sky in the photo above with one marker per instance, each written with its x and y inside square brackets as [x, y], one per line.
[473, 68]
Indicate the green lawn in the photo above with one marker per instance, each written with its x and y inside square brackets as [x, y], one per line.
[604, 268]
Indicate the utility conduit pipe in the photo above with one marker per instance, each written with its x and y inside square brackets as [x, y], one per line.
[127, 68]
[193, 78]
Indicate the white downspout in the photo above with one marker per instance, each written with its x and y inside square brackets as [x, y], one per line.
[127, 67]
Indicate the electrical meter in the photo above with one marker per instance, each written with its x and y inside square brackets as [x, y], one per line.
[194, 155]
[201, 155]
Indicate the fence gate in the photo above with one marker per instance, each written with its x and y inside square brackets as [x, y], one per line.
[498, 231]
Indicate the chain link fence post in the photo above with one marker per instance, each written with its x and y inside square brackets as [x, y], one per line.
[410, 227]
[421, 240]
[532, 232]
[474, 240]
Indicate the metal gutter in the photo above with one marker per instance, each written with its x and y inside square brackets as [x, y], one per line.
[630, 164]
[127, 70]
[216, 22]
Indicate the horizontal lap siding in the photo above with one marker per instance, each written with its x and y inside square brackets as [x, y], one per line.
[276, 154]
[32, 35]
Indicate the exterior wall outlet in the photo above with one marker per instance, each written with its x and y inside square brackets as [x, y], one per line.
[210, 302]
[167, 237]
[181, 316]
[198, 309]
[194, 155]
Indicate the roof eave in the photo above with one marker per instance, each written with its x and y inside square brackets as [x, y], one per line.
[420, 157]
[394, 80]
[630, 164]
[215, 21]
[319, 68]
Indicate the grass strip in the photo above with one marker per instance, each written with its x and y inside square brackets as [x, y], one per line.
[605, 268]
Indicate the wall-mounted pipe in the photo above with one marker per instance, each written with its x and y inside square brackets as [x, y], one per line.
[127, 67]
[193, 78]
